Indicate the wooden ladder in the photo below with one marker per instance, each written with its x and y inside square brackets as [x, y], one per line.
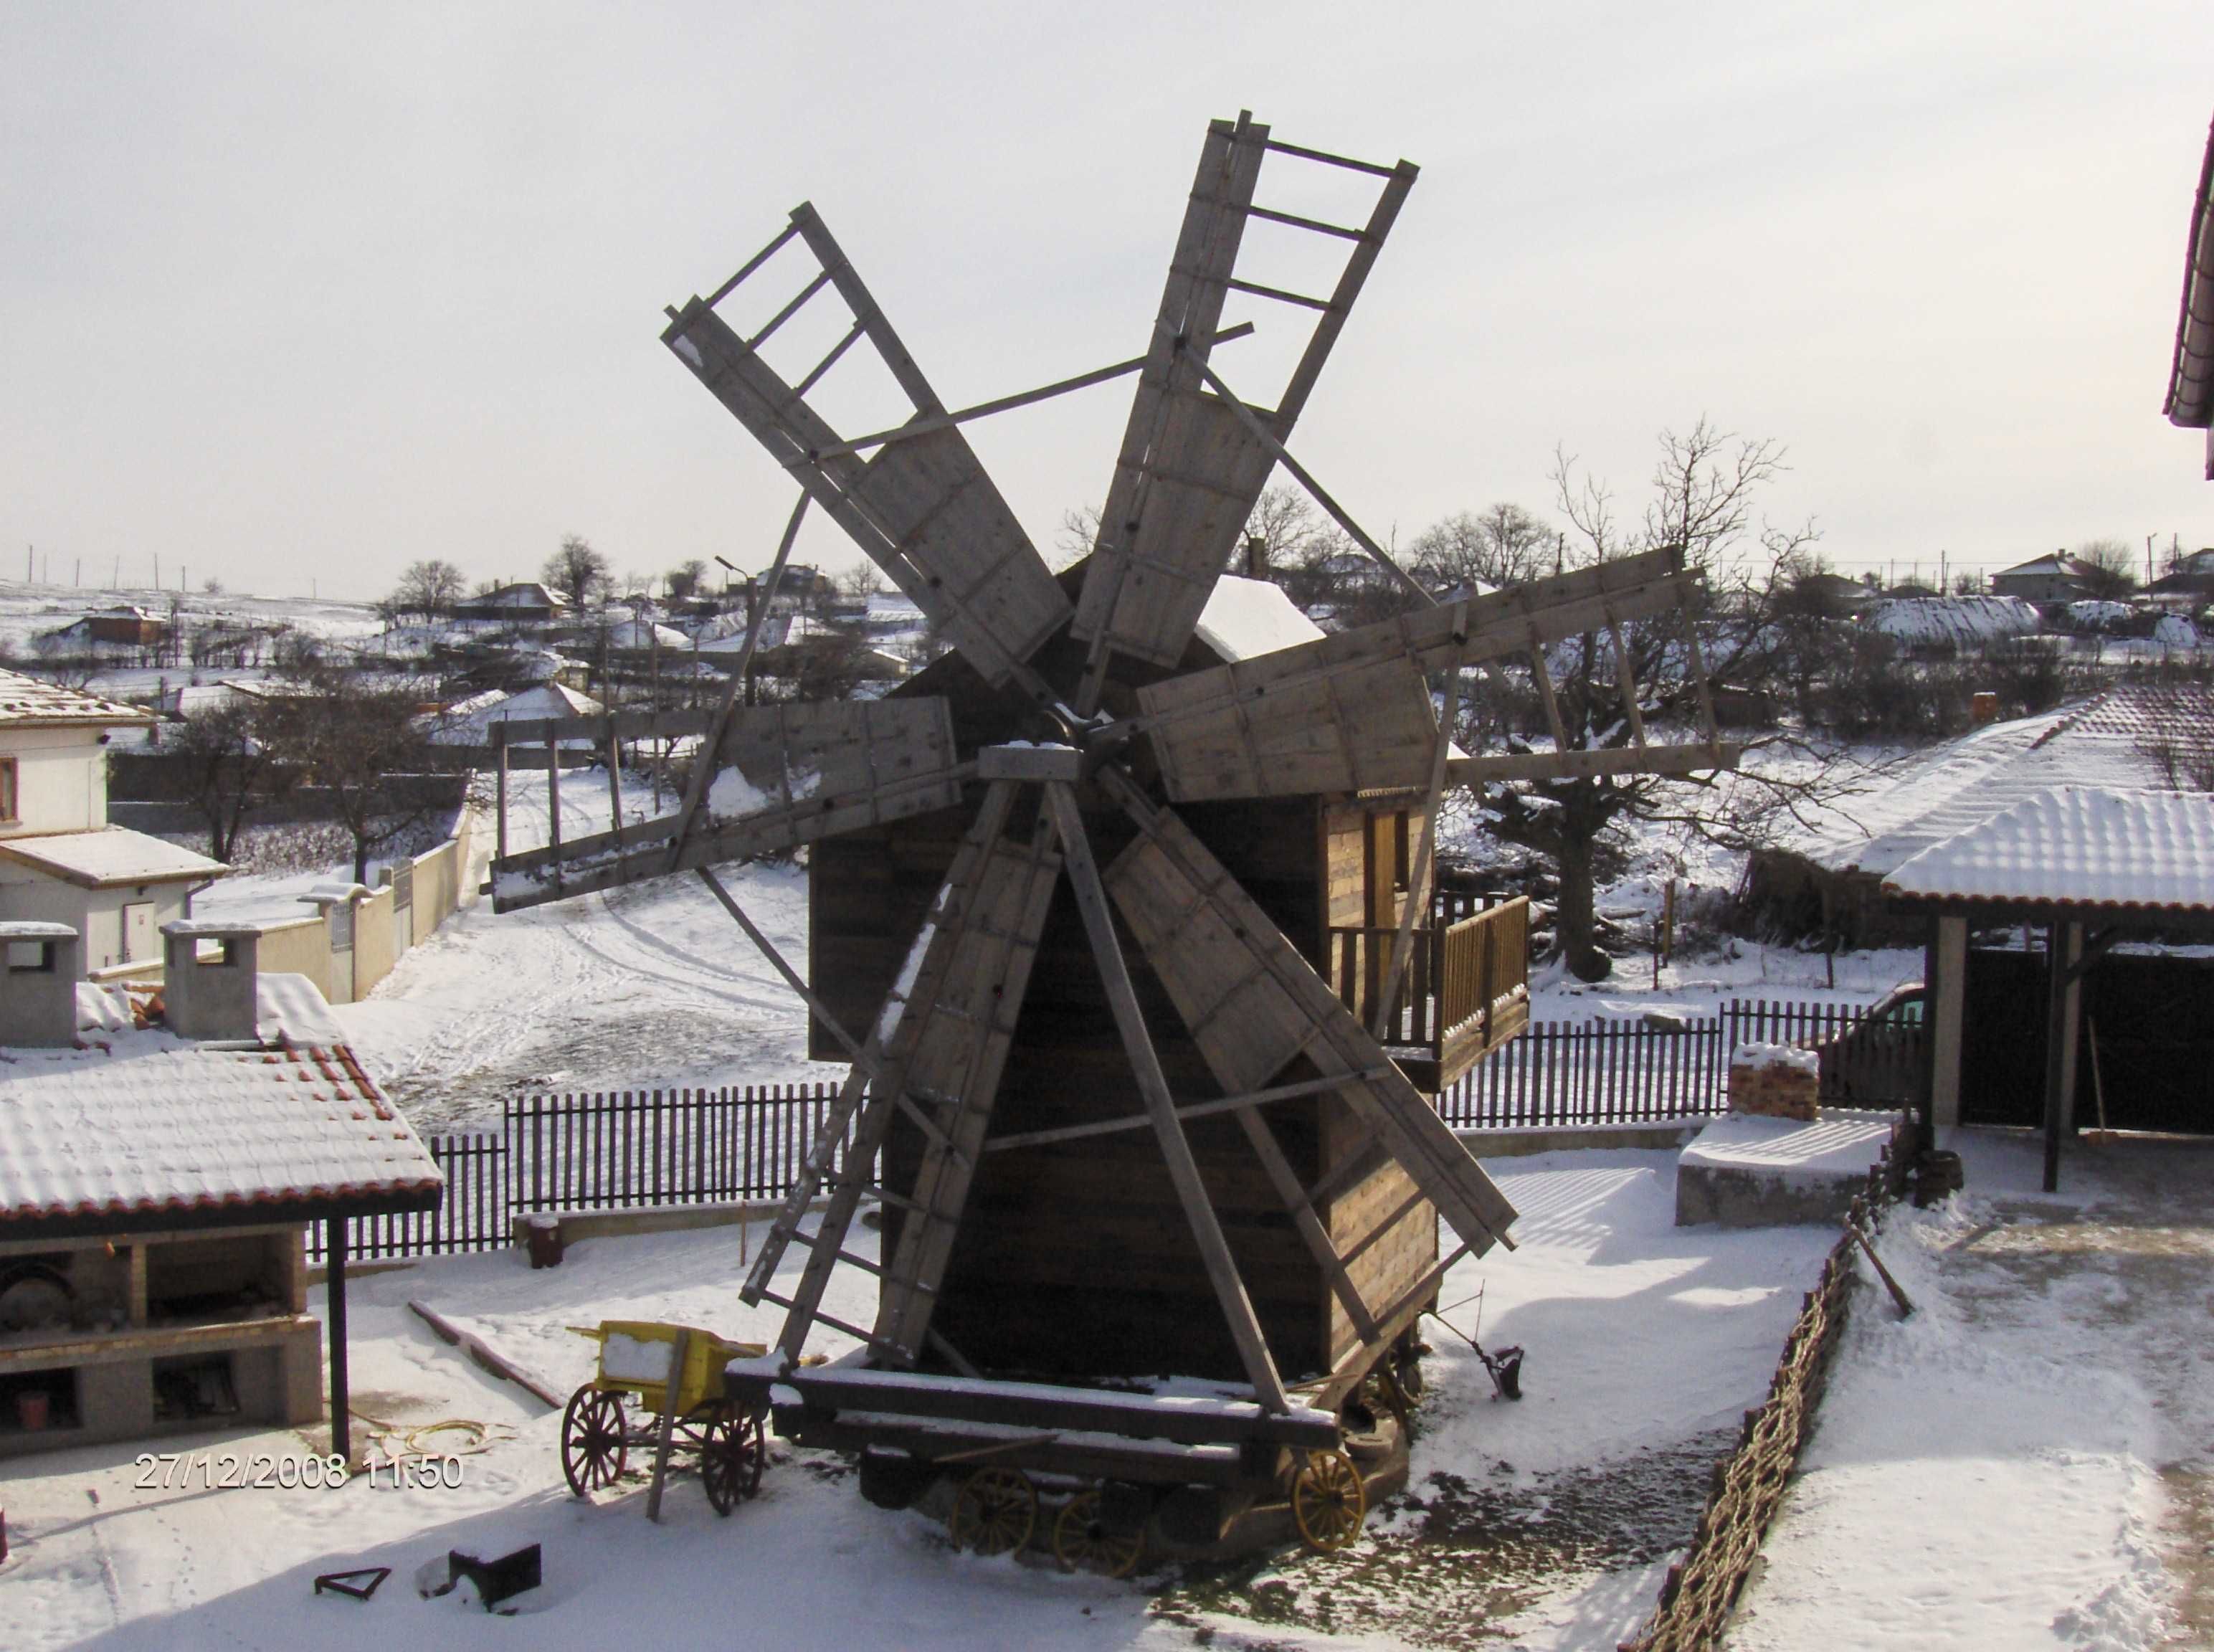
[940, 1069]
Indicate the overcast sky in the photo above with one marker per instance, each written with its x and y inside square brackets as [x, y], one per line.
[291, 293]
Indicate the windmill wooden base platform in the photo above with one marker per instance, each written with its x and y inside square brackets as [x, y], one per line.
[1113, 919]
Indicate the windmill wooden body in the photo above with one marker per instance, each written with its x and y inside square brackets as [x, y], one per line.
[1128, 937]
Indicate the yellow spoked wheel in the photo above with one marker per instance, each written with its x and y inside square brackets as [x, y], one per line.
[996, 1512]
[1328, 1501]
[1082, 1543]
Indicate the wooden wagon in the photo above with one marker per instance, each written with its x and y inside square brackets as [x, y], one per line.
[720, 1433]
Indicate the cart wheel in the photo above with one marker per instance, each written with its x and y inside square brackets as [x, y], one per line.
[1081, 1544]
[731, 1447]
[594, 1446]
[996, 1512]
[1328, 1501]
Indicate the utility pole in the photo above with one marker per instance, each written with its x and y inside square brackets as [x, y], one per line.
[2149, 540]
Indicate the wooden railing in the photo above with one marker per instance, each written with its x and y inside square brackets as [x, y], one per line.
[1464, 991]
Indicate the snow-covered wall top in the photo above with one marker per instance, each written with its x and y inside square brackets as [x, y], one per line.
[2076, 846]
[1246, 617]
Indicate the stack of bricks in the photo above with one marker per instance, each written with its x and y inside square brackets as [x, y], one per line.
[1776, 1081]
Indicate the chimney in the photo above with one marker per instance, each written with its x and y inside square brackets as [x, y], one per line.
[37, 989]
[1256, 557]
[210, 978]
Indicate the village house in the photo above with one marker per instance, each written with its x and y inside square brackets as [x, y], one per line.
[60, 860]
[529, 604]
[162, 1289]
[2057, 578]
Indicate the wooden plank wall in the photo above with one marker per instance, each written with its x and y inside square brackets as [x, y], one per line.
[1074, 1259]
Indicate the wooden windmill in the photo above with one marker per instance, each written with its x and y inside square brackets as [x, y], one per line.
[1131, 1116]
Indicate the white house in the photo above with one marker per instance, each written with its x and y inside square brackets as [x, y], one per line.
[60, 861]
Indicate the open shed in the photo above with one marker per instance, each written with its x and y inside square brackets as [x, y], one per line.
[2089, 868]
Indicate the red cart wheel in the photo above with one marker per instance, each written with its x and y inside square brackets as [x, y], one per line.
[732, 1448]
[594, 1443]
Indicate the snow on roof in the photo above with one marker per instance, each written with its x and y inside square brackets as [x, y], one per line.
[1843, 1143]
[291, 1009]
[1954, 618]
[2076, 846]
[112, 855]
[1246, 617]
[145, 1126]
[1950, 786]
[468, 722]
[27, 702]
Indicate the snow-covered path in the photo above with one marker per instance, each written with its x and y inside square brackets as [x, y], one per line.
[648, 986]
[2024, 1462]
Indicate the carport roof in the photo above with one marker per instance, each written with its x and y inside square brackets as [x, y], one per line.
[2075, 846]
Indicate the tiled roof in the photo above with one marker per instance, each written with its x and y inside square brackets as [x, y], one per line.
[150, 1127]
[1948, 787]
[2076, 846]
[27, 702]
[114, 855]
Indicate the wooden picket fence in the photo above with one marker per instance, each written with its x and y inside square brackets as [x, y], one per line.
[603, 1151]
[606, 1151]
[1606, 1071]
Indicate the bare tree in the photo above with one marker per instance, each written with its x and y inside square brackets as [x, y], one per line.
[1078, 533]
[576, 572]
[1503, 545]
[862, 579]
[2106, 569]
[1293, 532]
[685, 579]
[428, 590]
[1704, 487]
[362, 741]
[227, 766]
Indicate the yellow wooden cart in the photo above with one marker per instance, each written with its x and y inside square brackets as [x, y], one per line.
[728, 1442]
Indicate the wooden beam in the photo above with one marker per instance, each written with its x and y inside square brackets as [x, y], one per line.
[1183, 1170]
[815, 1007]
[923, 427]
[1184, 1110]
[1626, 683]
[1260, 432]
[1418, 874]
[711, 748]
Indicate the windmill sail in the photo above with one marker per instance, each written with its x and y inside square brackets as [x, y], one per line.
[922, 509]
[1352, 711]
[1190, 472]
[787, 774]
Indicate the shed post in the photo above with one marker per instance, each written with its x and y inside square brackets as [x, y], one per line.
[1945, 979]
[334, 1261]
[2063, 942]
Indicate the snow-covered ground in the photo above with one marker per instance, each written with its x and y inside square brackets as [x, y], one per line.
[1543, 1520]
[645, 987]
[2028, 1461]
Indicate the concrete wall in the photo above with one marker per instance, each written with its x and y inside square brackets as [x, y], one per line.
[61, 780]
[96, 914]
[446, 880]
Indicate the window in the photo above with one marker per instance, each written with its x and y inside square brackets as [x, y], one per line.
[7, 789]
